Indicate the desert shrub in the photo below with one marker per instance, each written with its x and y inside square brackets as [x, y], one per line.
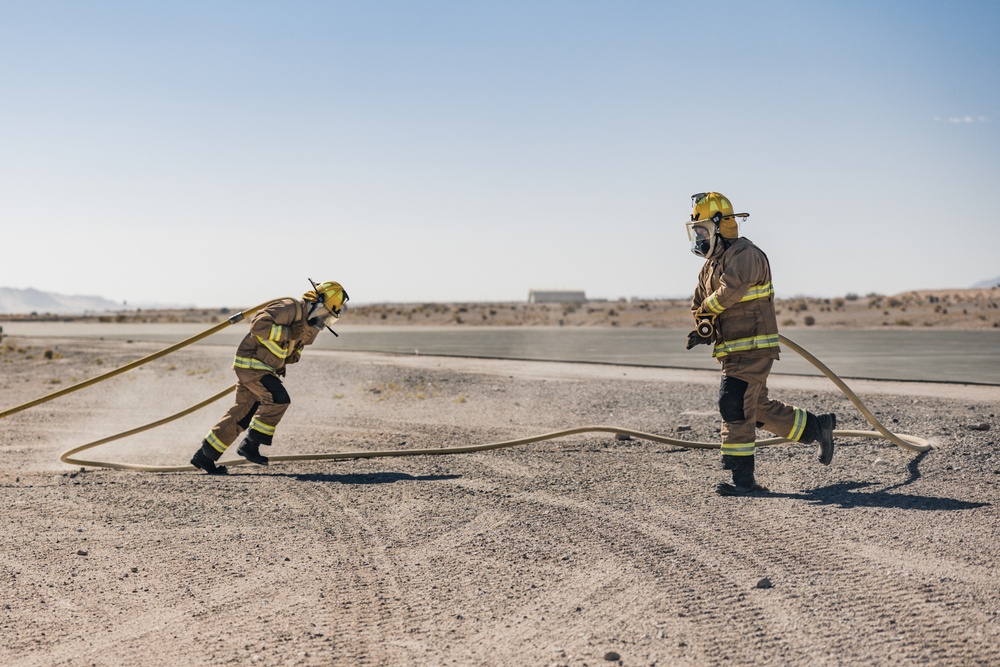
[851, 296]
[788, 322]
[809, 320]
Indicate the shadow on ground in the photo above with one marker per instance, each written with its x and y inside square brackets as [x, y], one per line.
[368, 478]
[849, 494]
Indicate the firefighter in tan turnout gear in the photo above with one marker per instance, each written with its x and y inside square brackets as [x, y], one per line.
[733, 308]
[278, 334]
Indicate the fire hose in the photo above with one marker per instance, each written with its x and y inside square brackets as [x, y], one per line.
[907, 442]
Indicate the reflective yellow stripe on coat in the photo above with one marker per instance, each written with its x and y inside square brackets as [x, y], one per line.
[250, 364]
[755, 292]
[273, 347]
[744, 344]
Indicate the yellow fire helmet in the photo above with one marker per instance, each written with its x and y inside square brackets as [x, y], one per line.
[333, 296]
[711, 213]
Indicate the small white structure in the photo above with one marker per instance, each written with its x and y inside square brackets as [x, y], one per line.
[556, 296]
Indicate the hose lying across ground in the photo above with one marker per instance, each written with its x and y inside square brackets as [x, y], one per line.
[908, 442]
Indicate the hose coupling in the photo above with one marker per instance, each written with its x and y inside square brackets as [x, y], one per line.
[705, 327]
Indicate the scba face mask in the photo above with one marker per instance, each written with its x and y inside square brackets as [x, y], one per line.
[704, 237]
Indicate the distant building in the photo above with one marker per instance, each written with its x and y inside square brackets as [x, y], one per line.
[556, 296]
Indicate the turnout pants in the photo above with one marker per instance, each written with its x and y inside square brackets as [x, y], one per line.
[745, 406]
[261, 402]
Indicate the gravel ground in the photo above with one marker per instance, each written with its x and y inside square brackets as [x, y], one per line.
[588, 550]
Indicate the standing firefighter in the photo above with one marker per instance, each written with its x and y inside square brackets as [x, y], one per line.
[733, 308]
[278, 334]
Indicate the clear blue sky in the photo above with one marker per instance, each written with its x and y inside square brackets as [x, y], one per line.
[218, 153]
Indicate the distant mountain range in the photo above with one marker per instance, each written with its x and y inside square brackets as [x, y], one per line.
[986, 284]
[15, 301]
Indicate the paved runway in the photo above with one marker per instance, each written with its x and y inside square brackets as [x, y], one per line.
[919, 354]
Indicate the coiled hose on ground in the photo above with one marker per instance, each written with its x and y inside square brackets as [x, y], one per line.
[908, 442]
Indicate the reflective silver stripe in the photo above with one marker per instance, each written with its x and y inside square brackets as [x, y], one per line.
[755, 292]
[258, 425]
[799, 427]
[217, 444]
[712, 303]
[277, 333]
[759, 292]
[744, 344]
[738, 448]
[248, 364]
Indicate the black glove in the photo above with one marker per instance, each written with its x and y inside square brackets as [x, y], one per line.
[694, 340]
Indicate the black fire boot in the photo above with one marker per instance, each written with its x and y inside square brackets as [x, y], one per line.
[825, 424]
[205, 459]
[743, 481]
[250, 450]
[820, 428]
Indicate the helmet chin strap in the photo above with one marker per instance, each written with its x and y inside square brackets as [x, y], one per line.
[313, 321]
[316, 322]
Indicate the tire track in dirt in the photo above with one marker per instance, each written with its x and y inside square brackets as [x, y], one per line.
[895, 596]
[809, 561]
[735, 621]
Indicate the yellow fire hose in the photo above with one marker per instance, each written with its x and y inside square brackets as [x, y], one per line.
[908, 442]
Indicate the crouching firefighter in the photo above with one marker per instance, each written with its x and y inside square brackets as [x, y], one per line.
[733, 308]
[278, 334]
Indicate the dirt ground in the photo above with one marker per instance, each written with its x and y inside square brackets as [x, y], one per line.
[589, 550]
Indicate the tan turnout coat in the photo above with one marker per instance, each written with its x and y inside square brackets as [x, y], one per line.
[736, 288]
[277, 335]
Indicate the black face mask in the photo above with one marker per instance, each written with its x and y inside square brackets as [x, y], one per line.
[709, 247]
